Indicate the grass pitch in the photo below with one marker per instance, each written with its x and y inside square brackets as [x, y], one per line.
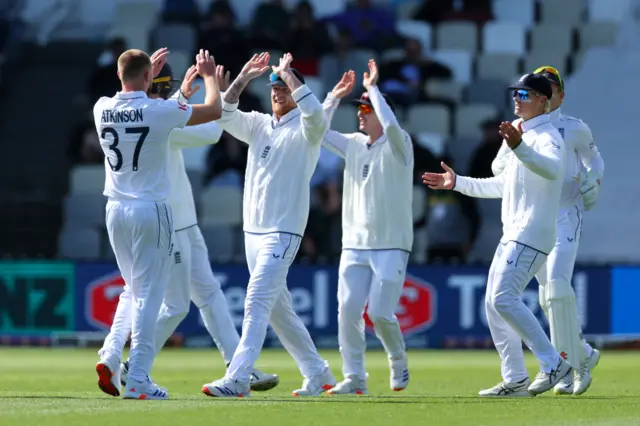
[57, 387]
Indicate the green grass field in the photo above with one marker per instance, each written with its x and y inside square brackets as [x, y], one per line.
[57, 387]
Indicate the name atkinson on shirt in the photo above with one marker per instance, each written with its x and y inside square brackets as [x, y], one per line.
[122, 115]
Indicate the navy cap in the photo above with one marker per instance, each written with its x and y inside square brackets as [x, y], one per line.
[364, 100]
[274, 80]
[536, 83]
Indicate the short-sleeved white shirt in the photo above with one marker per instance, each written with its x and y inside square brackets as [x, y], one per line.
[134, 133]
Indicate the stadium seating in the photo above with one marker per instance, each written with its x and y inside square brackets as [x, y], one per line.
[457, 35]
[418, 30]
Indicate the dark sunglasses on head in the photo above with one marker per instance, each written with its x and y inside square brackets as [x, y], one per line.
[551, 70]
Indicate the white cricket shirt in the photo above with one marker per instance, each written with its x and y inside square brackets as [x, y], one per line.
[377, 200]
[134, 133]
[282, 157]
[530, 186]
[581, 154]
[181, 195]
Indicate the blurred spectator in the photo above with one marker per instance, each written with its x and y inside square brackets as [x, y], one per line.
[228, 155]
[220, 36]
[482, 157]
[435, 11]
[322, 236]
[269, 25]
[104, 79]
[423, 161]
[181, 11]
[334, 65]
[84, 146]
[309, 39]
[404, 79]
[370, 26]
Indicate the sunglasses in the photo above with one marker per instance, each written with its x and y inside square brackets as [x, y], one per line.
[365, 109]
[551, 70]
[523, 95]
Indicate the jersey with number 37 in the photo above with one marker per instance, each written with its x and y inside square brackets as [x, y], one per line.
[134, 132]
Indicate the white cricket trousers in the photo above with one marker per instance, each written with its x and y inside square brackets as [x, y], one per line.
[376, 277]
[191, 279]
[562, 259]
[141, 235]
[269, 301]
[510, 321]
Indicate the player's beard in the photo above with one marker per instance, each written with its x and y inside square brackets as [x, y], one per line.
[282, 108]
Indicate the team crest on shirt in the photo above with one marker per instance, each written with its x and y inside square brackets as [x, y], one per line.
[265, 152]
[365, 171]
[561, 131]
[177, 258]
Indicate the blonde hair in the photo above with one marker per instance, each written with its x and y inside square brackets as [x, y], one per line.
[547, 106]
[132, 64]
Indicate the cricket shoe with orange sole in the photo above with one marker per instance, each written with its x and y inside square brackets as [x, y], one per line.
[108, 377]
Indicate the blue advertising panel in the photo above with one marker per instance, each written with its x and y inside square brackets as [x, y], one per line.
[440, 306]
[625, 294]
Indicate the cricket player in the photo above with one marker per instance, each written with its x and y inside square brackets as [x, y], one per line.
[134, 132]
[283, 152]
[579, 193]
[191, 278]
[377, 231]
[530, 188]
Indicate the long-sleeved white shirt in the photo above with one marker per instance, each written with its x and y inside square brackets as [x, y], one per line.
[181, 195]
[377, 201]
[530, 186]
[282, 157]
[581, 154]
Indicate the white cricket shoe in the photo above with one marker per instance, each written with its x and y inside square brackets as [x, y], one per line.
[508, 390]
[226, 388]
[261, 381]
[108, 377]
[583, 378]
[351, 385]
[124, 373]
[545, 381]
[399, 378]
[315, 385]
[564, 386]
[144, 390]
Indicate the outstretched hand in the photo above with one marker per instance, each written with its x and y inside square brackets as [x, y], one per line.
[446, 180]
[205, 64]
[187, 88]
[510, 134]
[223, 78]
[284, 66]
[345, 85]
[158, 59]
[256, 66]
[370, 78]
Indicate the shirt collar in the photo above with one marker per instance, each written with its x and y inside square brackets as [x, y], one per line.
[555, 114]
[535, 122]
[285, 118]
[131, 95]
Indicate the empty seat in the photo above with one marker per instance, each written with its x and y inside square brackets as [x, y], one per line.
[445, 89]
[492, 92]
[565, 12]
[457, 35]
[221, 205]
[87, 179]
[434, 142]
[316, 86]
[345, 119]
[418, 30]
[175, 37]
[552, 37]
[609, 10]
[79, 244]
[84, 211]
[595, 34]
[392, 55]
[504, 37]
[519, 11]
[536, 59]
[140, 13]
[459, 61]
[220, 242]
[470, 117]
[432, 118]
[498, 66]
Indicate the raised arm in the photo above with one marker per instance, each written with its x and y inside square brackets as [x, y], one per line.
[479, 188]
[334, 141]
[314, 121]
[399, 140]
[212, 107]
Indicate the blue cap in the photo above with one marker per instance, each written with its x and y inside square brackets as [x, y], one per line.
[274, 80]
